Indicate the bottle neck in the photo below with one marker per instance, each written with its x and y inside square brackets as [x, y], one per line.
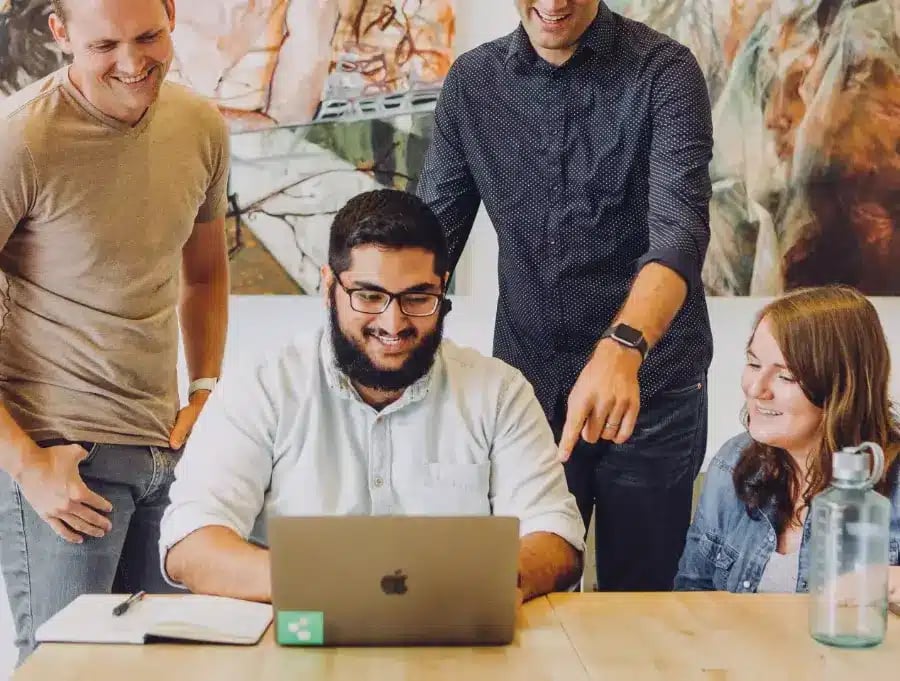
[860, 485]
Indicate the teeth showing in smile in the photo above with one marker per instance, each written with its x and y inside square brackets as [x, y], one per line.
[550, 18]
[132, 81]
[389, 340]
[768, 412]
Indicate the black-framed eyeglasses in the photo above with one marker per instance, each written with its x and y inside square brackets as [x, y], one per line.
[412, 303]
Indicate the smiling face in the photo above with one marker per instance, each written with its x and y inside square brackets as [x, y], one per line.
[121, 52]
[780, 413]
[555, 26]
[388, 351]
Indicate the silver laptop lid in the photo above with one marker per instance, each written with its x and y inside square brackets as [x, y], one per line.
[394, 580]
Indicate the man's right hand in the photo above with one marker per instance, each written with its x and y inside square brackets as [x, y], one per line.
[53, 486]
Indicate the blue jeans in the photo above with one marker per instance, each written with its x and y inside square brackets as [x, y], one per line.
[43, 572]
[642, 490]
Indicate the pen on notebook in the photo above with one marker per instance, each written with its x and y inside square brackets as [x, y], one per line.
[122, 607]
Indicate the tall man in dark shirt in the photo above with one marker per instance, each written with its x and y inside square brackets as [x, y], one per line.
[588, 137]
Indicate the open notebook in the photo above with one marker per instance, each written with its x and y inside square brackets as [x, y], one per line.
[187, 617]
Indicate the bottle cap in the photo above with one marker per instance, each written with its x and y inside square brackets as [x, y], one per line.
[853, 466]
[850, 465]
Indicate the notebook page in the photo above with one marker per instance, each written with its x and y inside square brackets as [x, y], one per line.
[89, 619]
[208, 618]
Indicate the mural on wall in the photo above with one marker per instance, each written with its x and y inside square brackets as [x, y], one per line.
[326, 98]
[334, 96]
[27, 51]
[806, 111]
[288, 62]
[291, 181]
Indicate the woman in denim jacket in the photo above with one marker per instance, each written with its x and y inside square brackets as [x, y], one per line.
[816, 380]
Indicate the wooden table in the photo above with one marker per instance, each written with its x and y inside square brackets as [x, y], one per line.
[712, 636]
[568, 637]
[541, 651]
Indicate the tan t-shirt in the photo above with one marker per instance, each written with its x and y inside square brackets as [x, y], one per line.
[93, 217]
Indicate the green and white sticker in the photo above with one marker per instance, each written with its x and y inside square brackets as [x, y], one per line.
[300, 628]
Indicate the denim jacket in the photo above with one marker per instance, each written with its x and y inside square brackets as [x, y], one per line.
[727, 549]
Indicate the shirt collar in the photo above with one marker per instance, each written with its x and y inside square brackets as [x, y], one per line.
[597, 39]
[341, 384]
[82, 102]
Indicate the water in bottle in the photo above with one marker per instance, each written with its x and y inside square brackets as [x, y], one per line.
[849, 552]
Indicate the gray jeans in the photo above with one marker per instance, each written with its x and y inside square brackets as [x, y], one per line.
[43, 572]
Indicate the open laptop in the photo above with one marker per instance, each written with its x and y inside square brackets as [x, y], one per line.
[394, 580]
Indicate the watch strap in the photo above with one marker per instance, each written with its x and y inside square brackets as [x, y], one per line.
[641, 346]
[202, 384]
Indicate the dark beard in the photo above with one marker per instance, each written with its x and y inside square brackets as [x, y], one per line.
[352, 360]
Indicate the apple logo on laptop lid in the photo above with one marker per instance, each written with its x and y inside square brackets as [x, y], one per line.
[394, 584]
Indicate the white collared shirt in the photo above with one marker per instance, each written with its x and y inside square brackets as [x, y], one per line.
[294, 438]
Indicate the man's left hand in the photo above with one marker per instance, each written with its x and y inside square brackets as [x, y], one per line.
[186, 418]
[606, 401]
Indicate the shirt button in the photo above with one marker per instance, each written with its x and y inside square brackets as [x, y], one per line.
[746, 584]
[378, 481]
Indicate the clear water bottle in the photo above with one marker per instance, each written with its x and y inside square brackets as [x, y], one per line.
[849, 552]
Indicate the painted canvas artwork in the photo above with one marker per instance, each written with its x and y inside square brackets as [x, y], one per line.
[326, 98]
[289, 62]
[806, 111]
[27, 51]
[290, 181]
[329, 97]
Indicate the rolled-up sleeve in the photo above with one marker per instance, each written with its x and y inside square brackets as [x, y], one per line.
[226, 467]
[527, 479]
[680, 152]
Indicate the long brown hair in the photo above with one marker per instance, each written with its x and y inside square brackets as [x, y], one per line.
[834, 346]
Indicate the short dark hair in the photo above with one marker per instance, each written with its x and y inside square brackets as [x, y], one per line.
[389, 218]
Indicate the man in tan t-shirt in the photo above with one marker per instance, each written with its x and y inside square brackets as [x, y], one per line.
[112, 203]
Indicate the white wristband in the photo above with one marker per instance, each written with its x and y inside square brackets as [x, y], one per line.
[202, 384]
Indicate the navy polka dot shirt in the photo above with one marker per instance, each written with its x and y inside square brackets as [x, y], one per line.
[588, 171]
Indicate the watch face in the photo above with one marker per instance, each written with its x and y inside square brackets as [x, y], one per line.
[627, 334]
